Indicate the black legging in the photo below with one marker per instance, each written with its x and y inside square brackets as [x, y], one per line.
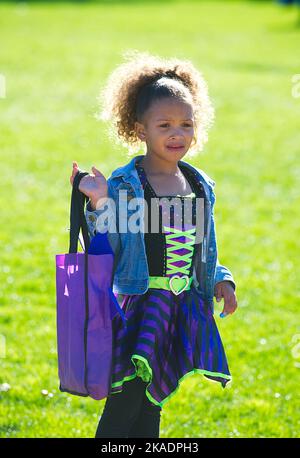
[129, 413]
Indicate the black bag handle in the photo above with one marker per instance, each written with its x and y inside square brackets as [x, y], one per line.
[77, 222]
[77, 217]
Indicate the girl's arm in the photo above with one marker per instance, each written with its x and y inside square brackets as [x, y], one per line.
[222, 272]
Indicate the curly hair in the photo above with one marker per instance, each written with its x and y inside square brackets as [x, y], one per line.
[143, 78]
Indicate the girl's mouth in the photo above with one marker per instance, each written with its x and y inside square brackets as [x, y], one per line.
[175, 148]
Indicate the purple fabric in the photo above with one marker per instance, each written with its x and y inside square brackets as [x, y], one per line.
[176, 335]
[84, 355]
[100, 244]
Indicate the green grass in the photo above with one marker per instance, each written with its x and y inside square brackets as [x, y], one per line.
[54, 58]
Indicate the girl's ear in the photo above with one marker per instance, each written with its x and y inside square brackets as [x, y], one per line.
[140, 131]
[194, 141]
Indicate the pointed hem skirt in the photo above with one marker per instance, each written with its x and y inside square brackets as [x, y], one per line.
[166, 339]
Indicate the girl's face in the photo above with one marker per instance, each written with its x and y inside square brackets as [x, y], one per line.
[168, 129]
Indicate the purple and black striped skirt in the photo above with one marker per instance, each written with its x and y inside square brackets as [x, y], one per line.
[166, 339]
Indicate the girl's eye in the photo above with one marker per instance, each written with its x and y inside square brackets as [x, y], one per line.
[165, 125]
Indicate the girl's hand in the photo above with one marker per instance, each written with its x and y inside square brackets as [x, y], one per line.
[225, 289]
[93, 186]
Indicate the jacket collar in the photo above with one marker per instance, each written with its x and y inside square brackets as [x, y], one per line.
[129, 169]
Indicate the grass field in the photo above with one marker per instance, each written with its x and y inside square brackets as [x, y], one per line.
[54, 58]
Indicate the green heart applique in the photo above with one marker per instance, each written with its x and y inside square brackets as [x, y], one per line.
[178, 284]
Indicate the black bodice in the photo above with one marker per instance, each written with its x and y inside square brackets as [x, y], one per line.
[156, 243]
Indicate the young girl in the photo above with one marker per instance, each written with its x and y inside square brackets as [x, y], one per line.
[165, 278]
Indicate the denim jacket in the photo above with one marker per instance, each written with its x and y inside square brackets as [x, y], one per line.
[130, 272]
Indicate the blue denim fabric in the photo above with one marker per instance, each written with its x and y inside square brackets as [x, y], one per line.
[131, 274]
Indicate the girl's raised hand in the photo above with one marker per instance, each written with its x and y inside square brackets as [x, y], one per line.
[93, 185]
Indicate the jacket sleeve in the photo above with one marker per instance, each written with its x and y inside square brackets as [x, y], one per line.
[104, 220]
[222, 273]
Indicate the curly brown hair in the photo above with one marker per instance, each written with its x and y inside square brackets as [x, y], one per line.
[120, 98]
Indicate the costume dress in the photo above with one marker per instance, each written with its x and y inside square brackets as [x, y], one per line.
[168, 336]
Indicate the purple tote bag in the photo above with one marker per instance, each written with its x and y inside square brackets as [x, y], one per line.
[85, 307]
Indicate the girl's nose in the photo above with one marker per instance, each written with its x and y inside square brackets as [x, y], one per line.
[177, 132]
